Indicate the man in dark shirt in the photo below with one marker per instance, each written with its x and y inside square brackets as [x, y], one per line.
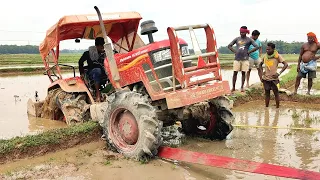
[95, 57]
[241, 62]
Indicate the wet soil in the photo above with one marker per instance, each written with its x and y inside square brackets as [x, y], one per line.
[286, 147]
[91, 161]
[38, 150]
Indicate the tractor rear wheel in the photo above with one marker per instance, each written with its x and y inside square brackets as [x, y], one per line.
[69, 107]
[131, 126]
[217, 127]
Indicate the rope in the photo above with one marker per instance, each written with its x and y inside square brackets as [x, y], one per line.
[276, 127]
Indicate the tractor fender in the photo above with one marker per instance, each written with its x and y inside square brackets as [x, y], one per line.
[74, 84]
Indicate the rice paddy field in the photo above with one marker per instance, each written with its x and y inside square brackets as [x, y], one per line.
[9, 60]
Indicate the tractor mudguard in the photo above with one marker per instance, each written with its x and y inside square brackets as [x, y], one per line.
[74, 84]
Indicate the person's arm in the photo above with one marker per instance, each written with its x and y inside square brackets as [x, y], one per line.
[285, 65]
[300, 58]
[317, 57]
[260, 50]
[260, 67]
[256, 47]
[231, 44]
[80, 63]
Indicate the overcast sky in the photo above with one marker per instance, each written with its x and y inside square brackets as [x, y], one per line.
[26, 21]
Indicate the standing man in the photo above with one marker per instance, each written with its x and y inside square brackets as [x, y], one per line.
[241, 62]
[254, 59]
[270, 77]
[307, 62]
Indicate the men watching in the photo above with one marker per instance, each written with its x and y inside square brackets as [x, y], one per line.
[307, 62]
[254, 59]
[270, 77]
[241, 62]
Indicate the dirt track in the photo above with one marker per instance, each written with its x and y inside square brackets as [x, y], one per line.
[91, 161]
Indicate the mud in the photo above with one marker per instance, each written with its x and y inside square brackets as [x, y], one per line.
[293, 148]
[303, 88]
[91, 161]
[21, 150]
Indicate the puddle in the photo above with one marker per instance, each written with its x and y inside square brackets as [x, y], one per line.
[254, 78]
[15, 92]
[303, 88]
[293, 148]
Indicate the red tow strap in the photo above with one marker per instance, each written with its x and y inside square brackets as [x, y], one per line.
[235, 164]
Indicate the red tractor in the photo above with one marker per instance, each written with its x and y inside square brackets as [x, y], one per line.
[148, 86]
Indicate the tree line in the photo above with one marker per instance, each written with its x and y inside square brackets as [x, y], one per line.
[282, 46]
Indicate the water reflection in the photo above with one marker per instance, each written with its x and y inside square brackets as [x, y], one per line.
[293, 148]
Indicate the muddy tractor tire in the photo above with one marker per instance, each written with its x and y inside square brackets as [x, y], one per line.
[131, 126]
[69, 107]
[218, 124]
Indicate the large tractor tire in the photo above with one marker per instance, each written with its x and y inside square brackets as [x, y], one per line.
[69, 107]
[218, 124]
[131, 126]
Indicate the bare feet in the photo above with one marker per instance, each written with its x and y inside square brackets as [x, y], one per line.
[294, 93]
[232, 90]
[242, 89]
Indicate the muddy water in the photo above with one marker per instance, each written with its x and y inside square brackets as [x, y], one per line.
[303, 88]
[297, 149]
[15, 92]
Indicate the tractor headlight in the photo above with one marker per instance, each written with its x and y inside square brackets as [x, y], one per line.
[166, 54]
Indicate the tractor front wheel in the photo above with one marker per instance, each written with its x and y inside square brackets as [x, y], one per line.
[131, 125]
[218, 124]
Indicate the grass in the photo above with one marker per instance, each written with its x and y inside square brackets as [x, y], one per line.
[12, 60]
[295, 115]
[287, 79]
[287, 57]
[34, 59]
[45, 138]
[107, 162]
[316, 85]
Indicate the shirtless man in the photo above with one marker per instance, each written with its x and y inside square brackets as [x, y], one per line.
[308, 53]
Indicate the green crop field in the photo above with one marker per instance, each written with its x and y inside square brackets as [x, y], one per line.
[35, 59]
[287, 57]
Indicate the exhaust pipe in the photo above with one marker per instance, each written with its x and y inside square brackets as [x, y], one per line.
[108, 49]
